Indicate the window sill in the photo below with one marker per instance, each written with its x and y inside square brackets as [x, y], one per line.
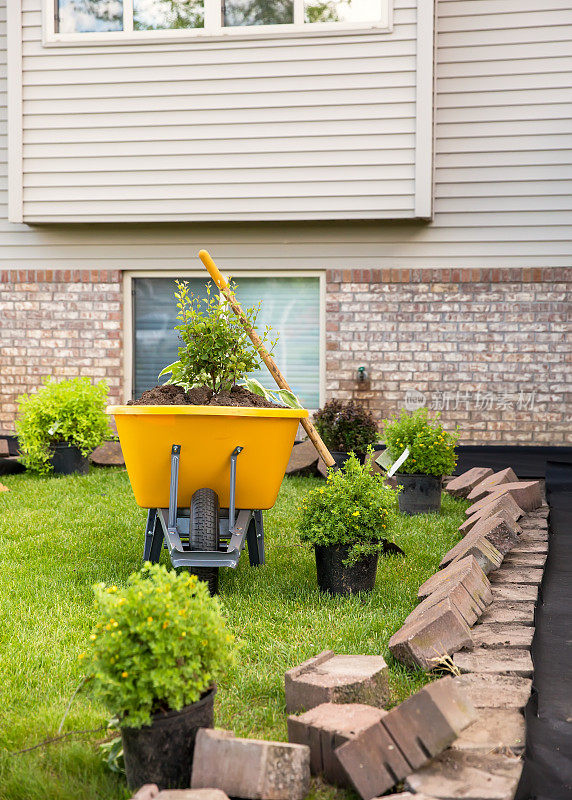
[258, 33]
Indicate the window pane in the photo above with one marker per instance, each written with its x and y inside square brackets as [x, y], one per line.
[236, 13]
[155, 343]
[163, 14]
[89, 16]
[292, 307]
[342, 11]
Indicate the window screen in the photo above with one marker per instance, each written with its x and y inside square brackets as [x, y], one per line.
[290, 305]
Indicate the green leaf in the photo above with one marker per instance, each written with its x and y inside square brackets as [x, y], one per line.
[168, 369]
[289, 399]
[256, 387]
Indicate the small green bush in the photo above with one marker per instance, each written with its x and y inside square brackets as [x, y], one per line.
[70, 411]
[158, 645]
[346, 427]
[431, 447]
[351, 509]
[217, 351]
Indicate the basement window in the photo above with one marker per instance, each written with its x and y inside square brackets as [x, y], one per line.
[109, 20]
[290, 305]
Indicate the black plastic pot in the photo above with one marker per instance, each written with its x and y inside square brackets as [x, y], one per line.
[420, 494]
[162, 752]
[68, 460]
[337, 578]
[340, 457]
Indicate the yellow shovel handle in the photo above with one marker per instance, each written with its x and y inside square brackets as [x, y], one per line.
[213, 270]
[222, 284]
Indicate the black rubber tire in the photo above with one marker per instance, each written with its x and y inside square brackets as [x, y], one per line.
[204, 532]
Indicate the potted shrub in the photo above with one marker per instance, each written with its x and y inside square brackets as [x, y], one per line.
[431, 455]
[158, 648]
[345, 428]
[346, 521]
[61, 424]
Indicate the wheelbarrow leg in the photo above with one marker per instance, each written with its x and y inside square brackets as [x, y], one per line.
[255, 540]
[153, 537]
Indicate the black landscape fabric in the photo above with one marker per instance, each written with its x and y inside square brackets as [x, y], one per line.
[547, 773]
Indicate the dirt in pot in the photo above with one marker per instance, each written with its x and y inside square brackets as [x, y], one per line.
[170, 395]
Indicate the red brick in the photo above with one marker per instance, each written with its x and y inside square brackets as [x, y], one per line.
[330, 678]
[486, 555]
[250, 768]
[500, 533]
[406, 738]
[326, 727]
[527, 494]
[484, 509]
[466, 570]
[463, 484]
[423, 641]
[483, 488]
[373, 762]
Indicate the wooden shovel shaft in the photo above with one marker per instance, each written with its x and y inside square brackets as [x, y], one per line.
[222, 284]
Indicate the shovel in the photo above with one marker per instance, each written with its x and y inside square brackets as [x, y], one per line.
[222, 284]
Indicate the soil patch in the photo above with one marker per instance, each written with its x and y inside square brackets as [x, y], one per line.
[170, 395]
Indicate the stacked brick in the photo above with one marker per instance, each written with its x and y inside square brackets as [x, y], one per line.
[454, 599]
[63, 323]
[363, 746]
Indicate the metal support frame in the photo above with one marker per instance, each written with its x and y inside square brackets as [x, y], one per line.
[165, 525]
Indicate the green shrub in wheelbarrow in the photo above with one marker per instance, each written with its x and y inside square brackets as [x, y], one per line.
[157, 650]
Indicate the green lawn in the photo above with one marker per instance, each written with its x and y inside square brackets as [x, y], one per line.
[58, 536]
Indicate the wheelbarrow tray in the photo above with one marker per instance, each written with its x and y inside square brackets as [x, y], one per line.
[207, 436]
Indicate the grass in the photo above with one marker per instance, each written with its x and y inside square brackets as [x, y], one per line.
[59, 536]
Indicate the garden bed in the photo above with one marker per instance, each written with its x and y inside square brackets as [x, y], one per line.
[60, 536]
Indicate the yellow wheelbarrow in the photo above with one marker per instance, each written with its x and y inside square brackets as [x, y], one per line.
[205, 473]
[216, 460]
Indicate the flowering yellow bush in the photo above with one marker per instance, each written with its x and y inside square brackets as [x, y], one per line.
[158, 645]
[351, 509]
[431, 447]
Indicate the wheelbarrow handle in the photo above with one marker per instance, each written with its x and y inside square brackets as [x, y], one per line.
[222, 284]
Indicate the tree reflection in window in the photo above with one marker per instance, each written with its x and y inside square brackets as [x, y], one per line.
[167, 14]
[94, 16]
[89, 16]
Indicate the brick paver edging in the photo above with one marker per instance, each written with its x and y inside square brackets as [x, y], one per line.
[496, 672]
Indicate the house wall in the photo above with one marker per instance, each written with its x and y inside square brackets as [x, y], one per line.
[265, 128]
[502, 202]
[63, 323]
[487, 348]
[502, 169]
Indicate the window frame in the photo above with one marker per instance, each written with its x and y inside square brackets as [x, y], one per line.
[129, 317]
[212, 30]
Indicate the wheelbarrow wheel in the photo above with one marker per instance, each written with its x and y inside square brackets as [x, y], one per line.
[204, 532]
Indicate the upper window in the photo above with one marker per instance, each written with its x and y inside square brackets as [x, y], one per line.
[119, 18]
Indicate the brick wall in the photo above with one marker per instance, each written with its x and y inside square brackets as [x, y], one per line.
[486, 347]
[63, 323]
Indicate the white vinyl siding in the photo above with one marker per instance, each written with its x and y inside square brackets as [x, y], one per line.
[503, 160]
[182, 132]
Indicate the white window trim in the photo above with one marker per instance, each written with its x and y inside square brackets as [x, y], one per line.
[128, 319]
[213, 31]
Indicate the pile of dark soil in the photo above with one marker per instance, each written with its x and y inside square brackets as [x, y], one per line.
[170, 395]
